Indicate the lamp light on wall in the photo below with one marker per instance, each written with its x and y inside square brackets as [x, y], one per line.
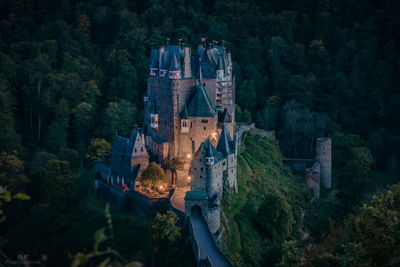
[188, 156]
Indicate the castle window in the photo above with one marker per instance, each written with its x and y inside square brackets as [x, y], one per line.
[190, 124]
[205, 128]
[201, 169]
[141, 149]
[135, 150]
[194, 168]
[201, 176]
[204, 121]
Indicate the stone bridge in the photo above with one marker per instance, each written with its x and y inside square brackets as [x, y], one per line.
[206, 251]
[299, 165]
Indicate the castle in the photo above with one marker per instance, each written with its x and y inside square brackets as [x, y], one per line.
[189, 115]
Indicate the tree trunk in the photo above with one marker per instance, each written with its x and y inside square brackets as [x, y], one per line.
[39, 125]
[31, 117]
[40, 111]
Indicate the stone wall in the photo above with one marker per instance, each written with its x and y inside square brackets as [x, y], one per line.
[324, 156]
[128, 201]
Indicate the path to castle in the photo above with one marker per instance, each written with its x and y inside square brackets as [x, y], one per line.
[178, 198]
[207, 246]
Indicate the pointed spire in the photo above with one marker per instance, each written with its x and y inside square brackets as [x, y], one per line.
[174, 64]
[200, 74]
[220, 66]
[225, 142]
[184, 113]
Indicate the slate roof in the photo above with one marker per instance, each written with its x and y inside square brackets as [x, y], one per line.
[154, 59]
[196, 195]
[158, 139]
[121, 152]
[123, 146]
[174, 64]
[224, 116]
[225, 143]
[200, 104]
[184, 113]
[210, 151]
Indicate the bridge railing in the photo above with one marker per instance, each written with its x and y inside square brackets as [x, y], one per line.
[195, 245]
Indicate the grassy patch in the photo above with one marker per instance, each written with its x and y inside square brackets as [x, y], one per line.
[260, 172]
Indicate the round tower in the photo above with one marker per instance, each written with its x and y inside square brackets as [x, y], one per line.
[324, 156]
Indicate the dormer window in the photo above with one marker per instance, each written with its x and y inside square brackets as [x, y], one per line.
[154, 121]
[209, 161]
[184, 126]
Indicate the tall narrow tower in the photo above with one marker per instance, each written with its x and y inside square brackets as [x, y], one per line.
[324, 156]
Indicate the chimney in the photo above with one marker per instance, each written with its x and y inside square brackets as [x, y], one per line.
[186, 63]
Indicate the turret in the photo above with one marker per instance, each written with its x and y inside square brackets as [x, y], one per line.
[153, 64]
[324, 156]
[163, 62]
[187, 70]
[209, 160]
[174, 70]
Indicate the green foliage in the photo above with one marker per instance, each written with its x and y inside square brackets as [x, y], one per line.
[275, 217]
[12, 172]
[97, 148]
[242, 116]
[153, 176]
[164, 230]
[40, 160]
[119, 118]
[58, 183]
[6, 196]
[265, 209]
[106, 257]
[352, 165]
[70, 155]
[371, 238]
[290, 254]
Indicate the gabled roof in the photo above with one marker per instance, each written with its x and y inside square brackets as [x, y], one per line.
[184, 113]
[123, 146]
[225, 144]
[119, 146]
[174, 64]
[154, 59]
[200, 105]
[209, 151]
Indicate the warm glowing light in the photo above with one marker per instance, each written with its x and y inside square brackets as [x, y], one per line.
[161, 187]
[188, 178]
[189, 156]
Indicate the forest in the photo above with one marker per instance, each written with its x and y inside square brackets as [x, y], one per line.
[73, 74]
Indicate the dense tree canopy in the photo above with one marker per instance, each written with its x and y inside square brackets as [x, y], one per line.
[75, 71]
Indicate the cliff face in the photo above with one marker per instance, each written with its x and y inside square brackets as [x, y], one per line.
[267, 208]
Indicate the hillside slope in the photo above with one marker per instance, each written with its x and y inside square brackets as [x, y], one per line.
[261, 174]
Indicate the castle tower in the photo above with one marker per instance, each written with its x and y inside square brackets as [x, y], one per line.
[324, 156]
